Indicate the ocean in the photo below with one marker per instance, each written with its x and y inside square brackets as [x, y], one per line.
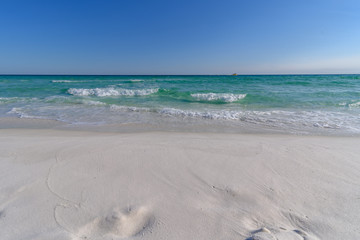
[296, 104]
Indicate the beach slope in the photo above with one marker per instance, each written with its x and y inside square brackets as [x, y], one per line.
[82, 185]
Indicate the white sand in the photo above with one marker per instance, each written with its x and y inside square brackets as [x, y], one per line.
[78, 185]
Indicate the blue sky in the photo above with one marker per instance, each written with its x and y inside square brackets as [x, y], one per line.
[179, 37]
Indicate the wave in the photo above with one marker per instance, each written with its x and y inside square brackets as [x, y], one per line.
[355, 104]
[69, 100]
[84, 81]
[106, 92]
[65, 81]
[115, 108]
[5, 100]
[294, 121]
[271, 118]
[93, 103]
[225, 97]
[194, 114]
[212, 115]
[20, 112]
[297, 83]
[136, 80]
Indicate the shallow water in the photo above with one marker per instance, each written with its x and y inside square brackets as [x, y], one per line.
[300, 104]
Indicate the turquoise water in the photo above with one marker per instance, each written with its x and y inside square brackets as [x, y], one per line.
[286, 103]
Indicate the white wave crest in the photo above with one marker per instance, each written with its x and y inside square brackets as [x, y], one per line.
[20, 112]
[225, 97]
[105, 92]
[64, 81]
[224, 115]
[5, 100]
[93, 103]
[275, 118]
[15, 110]
[356, 104]
[115, 108]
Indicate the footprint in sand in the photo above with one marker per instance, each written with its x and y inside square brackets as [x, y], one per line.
[117, 225]
[2, 214]
[262, 234]
[282, 234]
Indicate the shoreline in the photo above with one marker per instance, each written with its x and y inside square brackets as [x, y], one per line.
[154, 185]
[48, 124]
[301, 105]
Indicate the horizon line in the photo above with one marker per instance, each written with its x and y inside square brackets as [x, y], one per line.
[251, 74]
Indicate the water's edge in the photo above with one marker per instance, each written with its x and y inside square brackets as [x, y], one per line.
[294, 104]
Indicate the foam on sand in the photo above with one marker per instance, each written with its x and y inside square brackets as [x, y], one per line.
[21, 113]
[115, 108]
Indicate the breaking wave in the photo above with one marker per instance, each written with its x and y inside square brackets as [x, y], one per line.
[65, 81]
[105, 92]
[356, 104]
[136, 80]
[225, 97]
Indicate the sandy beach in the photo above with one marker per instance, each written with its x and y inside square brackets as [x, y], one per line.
[157, 185]
[180, 120]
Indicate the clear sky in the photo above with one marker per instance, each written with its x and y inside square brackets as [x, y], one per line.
[179, 37]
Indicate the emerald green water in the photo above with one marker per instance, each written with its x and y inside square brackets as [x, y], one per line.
[289, 103]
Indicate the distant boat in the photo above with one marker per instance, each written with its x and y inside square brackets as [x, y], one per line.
[234, 74]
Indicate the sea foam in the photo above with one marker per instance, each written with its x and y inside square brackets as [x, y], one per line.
[271, 118]
[5, 100]
[105, 92]
[225, 97]
[64, 81]
[93, 103]
[224, 115]
[20, 112]
[115, 108]
[355, 104]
